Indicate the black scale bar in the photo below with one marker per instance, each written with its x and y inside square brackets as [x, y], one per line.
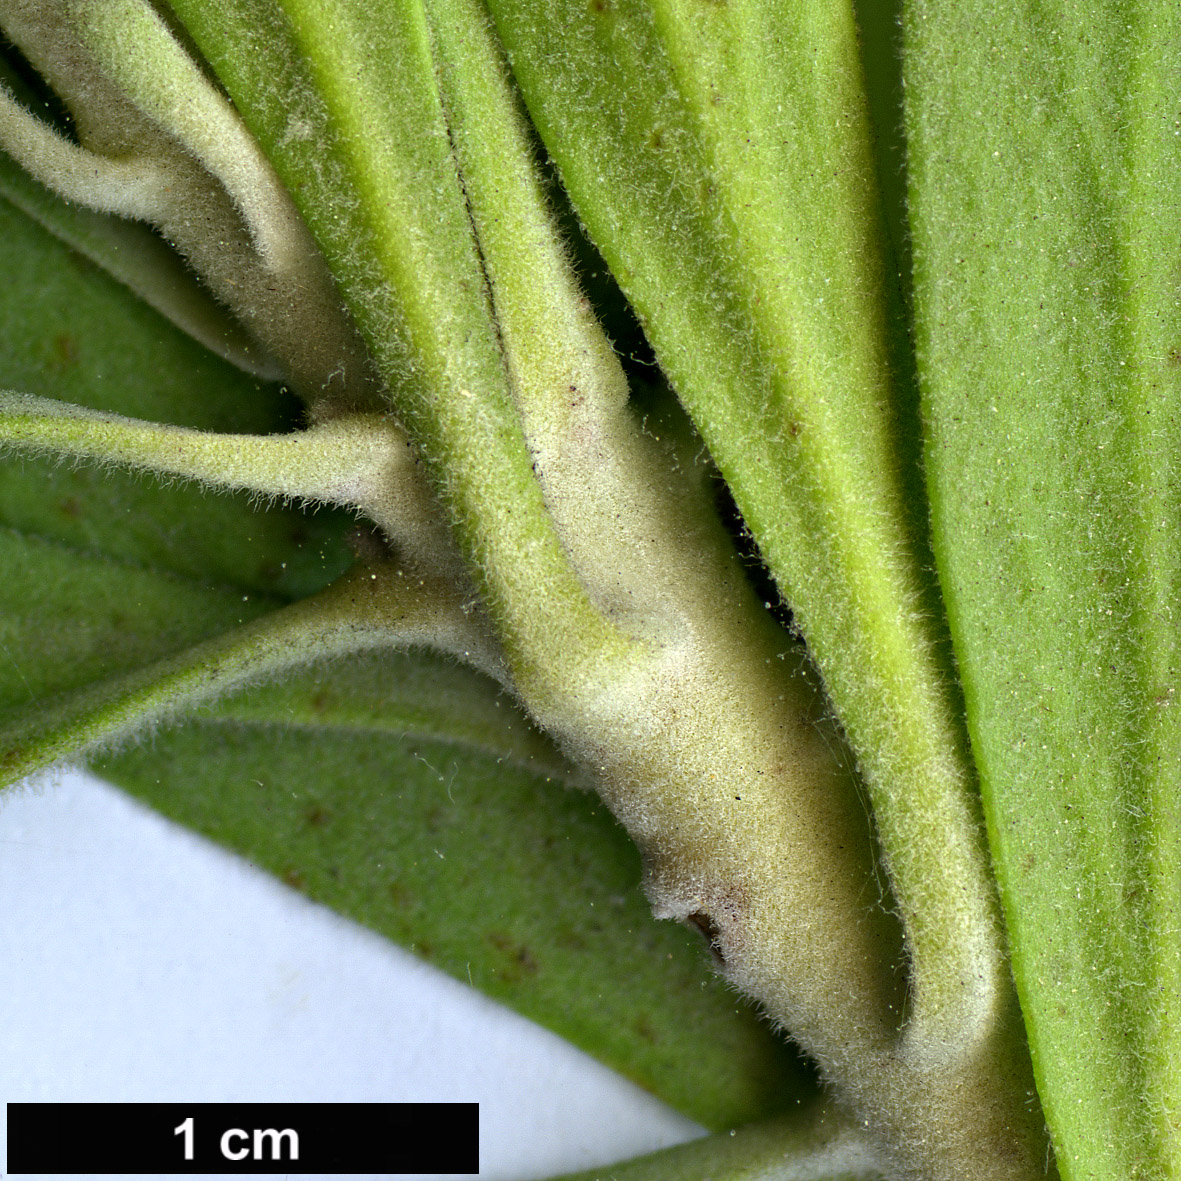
[240, 1138]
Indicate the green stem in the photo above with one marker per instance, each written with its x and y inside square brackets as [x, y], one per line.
[138, 259]
[752, 248]
[816, 1143]
[146, 125]
[359, 461]
[688, 710]
[370, 608]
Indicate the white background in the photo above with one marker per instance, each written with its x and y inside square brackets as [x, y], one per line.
[139, 962]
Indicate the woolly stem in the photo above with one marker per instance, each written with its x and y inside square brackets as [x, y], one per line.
[362, 462]
[167, 86]
[142, 262]
[246, 241]
[369, 608]
[133, 186]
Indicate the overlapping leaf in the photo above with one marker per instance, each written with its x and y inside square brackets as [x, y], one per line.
[382, 762]
[408, 795]
[106, 573]
[721, 159]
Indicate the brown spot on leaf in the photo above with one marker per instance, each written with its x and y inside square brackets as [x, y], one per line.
[65, 351]
[521, 962]
[316, 816]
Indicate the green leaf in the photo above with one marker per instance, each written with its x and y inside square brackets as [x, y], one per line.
[444, 823]
[1046, 245]
[105, 573]
[812, 1143]
[720, 158]
[371, 608]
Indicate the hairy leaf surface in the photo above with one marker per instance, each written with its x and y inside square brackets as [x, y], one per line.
[447, 824]
[107, 572]
[1047, 305]
[382, 760]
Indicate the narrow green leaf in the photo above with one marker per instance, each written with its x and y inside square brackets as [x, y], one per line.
[1047, 247]
[812, 1143]
[105, 573]
[371, 607]
[499, 875]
